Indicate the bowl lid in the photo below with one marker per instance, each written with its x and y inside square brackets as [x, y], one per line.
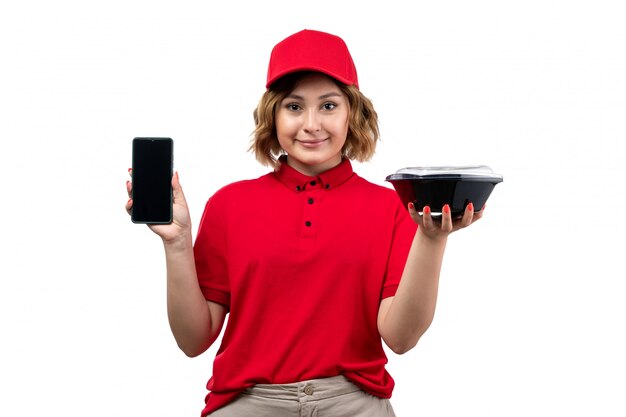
[469, 172]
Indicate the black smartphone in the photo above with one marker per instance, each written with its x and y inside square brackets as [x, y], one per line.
[153, 160]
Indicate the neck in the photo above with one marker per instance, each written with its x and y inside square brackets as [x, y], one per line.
[314, 170]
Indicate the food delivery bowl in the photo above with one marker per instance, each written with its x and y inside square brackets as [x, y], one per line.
[436, 186]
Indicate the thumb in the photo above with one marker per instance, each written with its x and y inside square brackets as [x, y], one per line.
[177, 190]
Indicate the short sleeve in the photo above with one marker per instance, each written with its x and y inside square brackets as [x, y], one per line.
[210, 254]
[404, 229]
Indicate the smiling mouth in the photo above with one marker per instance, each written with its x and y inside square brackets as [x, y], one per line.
[311, 143]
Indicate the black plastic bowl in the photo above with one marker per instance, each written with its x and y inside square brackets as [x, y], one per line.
[437, 186]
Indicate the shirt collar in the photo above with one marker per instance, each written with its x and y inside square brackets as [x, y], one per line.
[328, 180]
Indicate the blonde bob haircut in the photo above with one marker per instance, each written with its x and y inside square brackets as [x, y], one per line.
[363, 129]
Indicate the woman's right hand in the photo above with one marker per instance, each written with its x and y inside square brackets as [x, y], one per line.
[181, 222]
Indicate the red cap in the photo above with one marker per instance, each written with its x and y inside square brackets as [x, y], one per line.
[311, 50]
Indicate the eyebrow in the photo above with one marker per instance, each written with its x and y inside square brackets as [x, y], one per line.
[322, 97]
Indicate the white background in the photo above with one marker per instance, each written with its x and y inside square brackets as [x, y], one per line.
[530, 320]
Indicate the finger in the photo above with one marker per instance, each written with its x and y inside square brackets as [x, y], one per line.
[478, 215]
[446, 219]
[130, 172]
[414, 214]
[129, 188]
[468, 215]
[427, 218]
[129, 205]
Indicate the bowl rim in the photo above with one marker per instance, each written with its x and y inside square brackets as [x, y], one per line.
[475, 173]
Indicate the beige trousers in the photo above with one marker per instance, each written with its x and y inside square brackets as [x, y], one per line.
[328, 397]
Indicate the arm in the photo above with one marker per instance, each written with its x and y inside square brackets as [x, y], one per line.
[195, 322]
[404, 318]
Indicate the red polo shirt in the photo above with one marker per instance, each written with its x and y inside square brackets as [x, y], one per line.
[302, 264]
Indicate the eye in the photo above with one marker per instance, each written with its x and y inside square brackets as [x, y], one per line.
[293, 106]
[329, 106]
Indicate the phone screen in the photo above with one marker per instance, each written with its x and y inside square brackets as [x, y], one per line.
[153, 160]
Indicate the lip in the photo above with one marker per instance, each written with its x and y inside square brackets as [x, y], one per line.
[311, 143]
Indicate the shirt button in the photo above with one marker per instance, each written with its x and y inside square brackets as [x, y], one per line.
[327, 186]
[308, 390]
[307, 223]
[313, 183]
[310, 201]
[297, 188]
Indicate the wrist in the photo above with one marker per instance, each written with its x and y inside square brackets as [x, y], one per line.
[180, 242]
[431, 239]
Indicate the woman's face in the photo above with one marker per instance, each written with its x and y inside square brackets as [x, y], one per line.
[312, 124]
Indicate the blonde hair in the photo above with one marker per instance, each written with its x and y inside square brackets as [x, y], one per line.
[363, 132]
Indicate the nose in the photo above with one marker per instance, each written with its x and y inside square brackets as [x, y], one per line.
[312, 121]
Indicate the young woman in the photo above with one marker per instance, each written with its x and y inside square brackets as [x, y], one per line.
[314, 266]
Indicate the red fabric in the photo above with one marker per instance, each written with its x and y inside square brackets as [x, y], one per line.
[303, 297]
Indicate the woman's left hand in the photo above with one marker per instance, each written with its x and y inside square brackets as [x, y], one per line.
[442, 228]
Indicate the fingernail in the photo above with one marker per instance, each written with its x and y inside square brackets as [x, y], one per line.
[411, 206]
[470, 207]
[129, 170]
[446, 209]
[426, 209]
